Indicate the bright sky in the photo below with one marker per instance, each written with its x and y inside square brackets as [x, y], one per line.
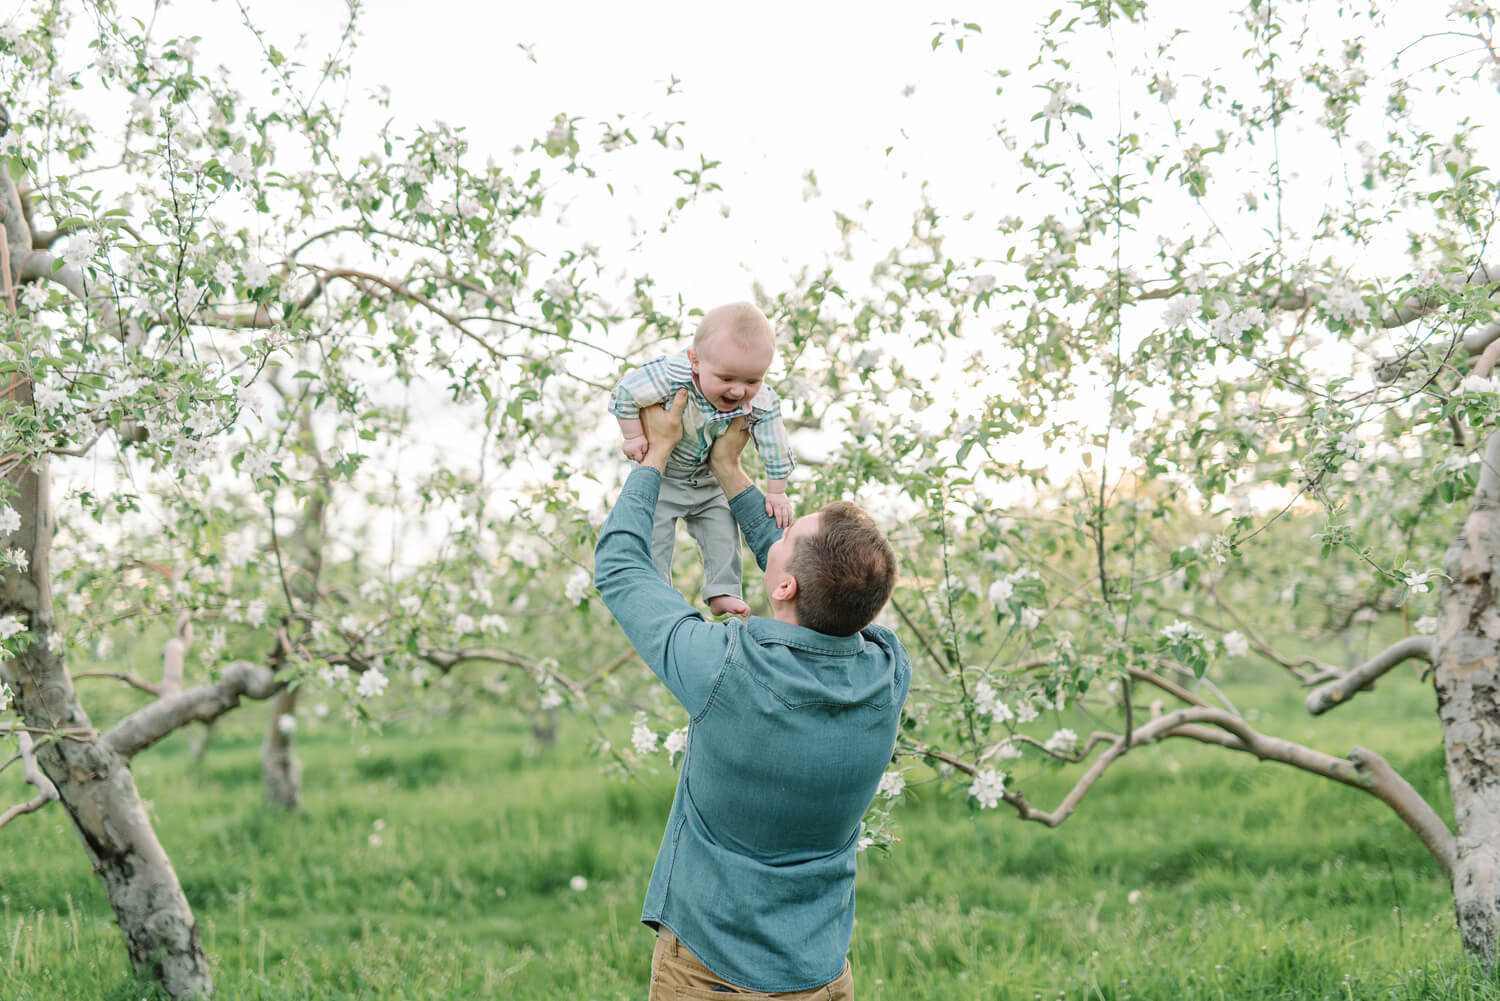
[771, 89]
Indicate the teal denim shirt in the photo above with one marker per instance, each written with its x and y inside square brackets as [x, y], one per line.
[790, 732]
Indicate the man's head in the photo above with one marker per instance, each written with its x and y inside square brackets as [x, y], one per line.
[833, 570]
[731, 351]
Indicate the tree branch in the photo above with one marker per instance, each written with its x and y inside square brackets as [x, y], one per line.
[1325, 697]
[921, 637]
[140, 684]
[173, 655]
[1409, 805]
[144, 727]
[1320, 671]
[1363, 770]
[46, 791]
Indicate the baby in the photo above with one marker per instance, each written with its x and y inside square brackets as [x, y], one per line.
[724, 373]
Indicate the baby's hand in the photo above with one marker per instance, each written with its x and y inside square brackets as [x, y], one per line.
[778, 507]
[634, 447]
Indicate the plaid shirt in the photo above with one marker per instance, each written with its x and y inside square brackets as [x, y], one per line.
[658, 381]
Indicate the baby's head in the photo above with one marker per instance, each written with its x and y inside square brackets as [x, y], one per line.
[731, 351]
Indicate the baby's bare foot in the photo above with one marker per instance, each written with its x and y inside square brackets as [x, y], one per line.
[727, 604]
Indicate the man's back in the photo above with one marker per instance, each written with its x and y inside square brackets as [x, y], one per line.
[756, 867]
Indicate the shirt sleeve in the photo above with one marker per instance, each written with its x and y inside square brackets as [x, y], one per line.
[640, 387]
[683, 649]
[769, 434]
[761, 531]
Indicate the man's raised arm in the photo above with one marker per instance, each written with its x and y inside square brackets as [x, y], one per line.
[680, 647]
[746, 502]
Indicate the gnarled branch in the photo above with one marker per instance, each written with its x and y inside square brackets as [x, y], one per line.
[1362, 769]
[204, 703]
[46, 791]
[1325, 697]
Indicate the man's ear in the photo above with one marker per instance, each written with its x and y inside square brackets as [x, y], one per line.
[786, 590]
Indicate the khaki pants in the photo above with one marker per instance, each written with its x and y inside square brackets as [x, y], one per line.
[676, 975]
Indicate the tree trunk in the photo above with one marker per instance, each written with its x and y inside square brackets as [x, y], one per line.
[1467, 678]
[279, 768]
[93, 782]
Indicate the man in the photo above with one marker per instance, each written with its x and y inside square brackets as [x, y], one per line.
[793, 721]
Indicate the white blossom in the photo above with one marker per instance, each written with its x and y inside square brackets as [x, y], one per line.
[551, 699]
[984, 697]
[19, 557]
[1030, 617]
[1182, 309]
[256, 273]
[891, 785]
[81, 249]
[1418, 581]
[10, 626]
[1007, 748]
[578, 585]
[980, 284]
[559, 289]
[1478, 384]
[10, 519]
[676, 741]
[1058, 101]
[642, 738]
[1179, 631]
[1025, 711]
[240, 167]
[1235, 644]
[1000, 592]
[1426, 625]
[50, 398]
[6, 697]
[286, 723]
[578, 884]
[372, 683]
[463, 624]
[1344, 303]
[988, 787]
[1062, 741]
[255, 612]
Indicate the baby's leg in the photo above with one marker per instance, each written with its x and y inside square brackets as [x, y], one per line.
[718, 536]
[664, 531]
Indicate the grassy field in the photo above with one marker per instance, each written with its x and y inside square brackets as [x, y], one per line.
[438, 862]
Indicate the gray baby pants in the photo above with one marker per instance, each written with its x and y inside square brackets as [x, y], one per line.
[695, 496]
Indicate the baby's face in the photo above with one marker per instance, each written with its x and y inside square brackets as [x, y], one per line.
[730, 373]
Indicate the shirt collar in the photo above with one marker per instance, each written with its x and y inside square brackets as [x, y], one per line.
[803, 638]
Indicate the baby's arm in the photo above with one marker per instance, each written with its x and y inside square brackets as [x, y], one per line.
[777, 505]
[769, 435]
[634, 445]
[640, 387]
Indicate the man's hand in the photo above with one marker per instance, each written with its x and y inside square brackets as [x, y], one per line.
[724, 458]
[635, 447]
[663, 431]
[778, 507]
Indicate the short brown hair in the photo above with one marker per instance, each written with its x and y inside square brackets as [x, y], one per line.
[844, 573]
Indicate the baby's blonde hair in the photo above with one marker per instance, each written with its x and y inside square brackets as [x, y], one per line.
[741, 320]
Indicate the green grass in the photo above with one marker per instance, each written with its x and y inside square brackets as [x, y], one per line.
[435, 863]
